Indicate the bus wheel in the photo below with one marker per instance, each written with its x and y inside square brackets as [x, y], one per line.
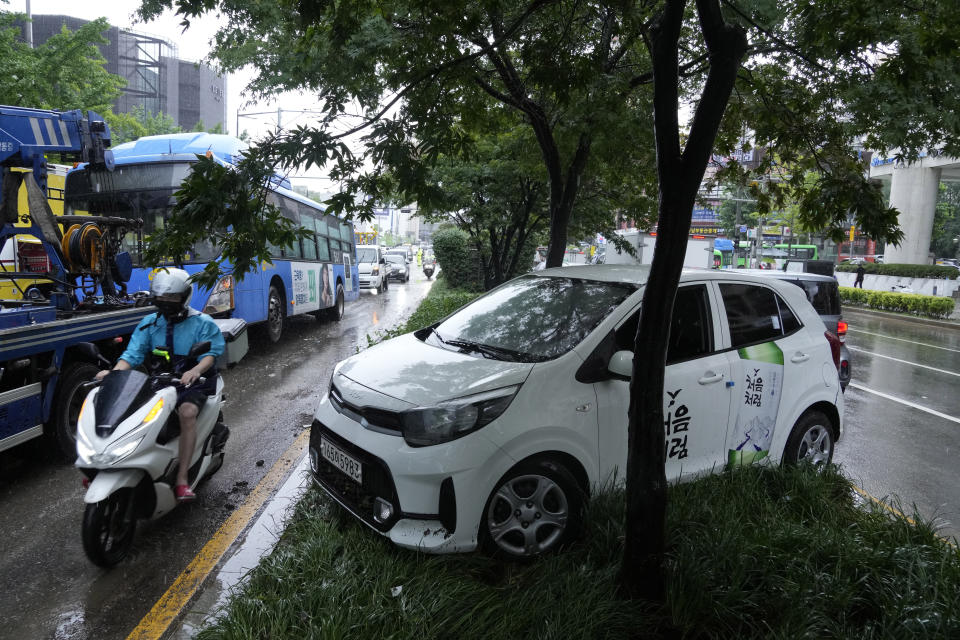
[66, 406]
[335, 312]
[276, 311]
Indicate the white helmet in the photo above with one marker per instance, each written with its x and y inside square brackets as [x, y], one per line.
[170, 292]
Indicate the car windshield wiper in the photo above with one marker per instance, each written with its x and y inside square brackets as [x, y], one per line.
[496, 353]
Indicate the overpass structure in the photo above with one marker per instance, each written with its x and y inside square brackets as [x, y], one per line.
[914, 188]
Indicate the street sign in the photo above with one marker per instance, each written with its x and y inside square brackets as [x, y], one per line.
[851, 232]
[743, 228]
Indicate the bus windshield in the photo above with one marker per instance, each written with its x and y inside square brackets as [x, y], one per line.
[142, 191]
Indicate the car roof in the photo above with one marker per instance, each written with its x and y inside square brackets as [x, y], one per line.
[638, 274]
[788, 275]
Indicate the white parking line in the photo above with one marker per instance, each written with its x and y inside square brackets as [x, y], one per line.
[880, 335]
[913, 405]
[915, 364]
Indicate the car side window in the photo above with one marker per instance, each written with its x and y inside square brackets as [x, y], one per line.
[691, 326]
[752, 313]
[789, 321]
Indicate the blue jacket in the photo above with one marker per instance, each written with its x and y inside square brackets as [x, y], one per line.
[152, 333]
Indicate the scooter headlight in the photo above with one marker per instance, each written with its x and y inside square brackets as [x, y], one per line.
[85, 450]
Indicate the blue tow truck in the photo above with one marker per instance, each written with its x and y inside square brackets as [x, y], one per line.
[42, 370]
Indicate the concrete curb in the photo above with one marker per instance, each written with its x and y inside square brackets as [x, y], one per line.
[244, 555]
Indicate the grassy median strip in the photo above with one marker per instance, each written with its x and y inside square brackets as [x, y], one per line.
[754, 553]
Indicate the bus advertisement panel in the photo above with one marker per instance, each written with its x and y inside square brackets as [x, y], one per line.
[314, 275]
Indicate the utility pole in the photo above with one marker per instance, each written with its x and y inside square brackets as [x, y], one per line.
[29, 26]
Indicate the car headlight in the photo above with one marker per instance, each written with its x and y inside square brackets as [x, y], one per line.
[375, 270]
[221, 298]
[455, 418]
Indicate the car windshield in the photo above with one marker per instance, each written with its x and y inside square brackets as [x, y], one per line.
[395, 258]
[366, 254]
[533, 318]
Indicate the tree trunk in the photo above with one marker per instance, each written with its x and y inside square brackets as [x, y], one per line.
[679, 176]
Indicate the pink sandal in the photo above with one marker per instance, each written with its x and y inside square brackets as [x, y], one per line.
[183, 493]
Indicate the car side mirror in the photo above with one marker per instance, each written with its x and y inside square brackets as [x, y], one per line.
[621, 365]
[198, 348]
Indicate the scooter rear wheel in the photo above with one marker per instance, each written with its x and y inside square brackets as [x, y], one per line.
[108, 528]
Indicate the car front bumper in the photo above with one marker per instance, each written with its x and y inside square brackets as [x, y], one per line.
[436, 493]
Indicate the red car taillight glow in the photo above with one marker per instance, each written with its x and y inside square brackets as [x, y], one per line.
[834, 347]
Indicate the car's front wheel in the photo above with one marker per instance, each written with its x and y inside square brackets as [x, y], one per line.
[811, 441]
[536, 508]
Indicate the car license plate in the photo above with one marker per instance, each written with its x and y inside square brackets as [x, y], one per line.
[348, 464]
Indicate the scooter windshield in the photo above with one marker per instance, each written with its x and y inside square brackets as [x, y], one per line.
[121, 393]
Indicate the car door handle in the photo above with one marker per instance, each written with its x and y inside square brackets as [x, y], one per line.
[799, 357]
[710, 377]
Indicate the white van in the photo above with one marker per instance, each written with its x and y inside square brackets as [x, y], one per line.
[371, 267]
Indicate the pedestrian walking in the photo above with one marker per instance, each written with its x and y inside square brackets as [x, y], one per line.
[859, 281]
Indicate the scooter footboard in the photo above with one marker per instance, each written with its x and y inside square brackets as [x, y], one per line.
[107, 482]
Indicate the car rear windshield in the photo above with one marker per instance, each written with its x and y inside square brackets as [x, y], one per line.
[535, 318]
[823, 295]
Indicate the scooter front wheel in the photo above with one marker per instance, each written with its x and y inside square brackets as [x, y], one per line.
[108, 528]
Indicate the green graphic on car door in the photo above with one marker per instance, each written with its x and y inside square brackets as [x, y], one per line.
[758, 404]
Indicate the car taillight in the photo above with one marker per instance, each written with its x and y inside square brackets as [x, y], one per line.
[834, 347]
[841, 330]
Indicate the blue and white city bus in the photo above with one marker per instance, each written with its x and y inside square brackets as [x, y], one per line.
[316, 275]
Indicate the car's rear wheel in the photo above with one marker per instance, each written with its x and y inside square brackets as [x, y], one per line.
[536, 508]
[811, 441]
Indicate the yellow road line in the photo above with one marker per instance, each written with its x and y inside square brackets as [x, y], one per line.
[894, 511]
[178, 596]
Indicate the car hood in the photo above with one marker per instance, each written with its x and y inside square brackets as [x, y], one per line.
[364, 267]
[409, 370]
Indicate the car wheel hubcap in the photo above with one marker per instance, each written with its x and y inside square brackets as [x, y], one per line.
[528, 515]
[815, 446]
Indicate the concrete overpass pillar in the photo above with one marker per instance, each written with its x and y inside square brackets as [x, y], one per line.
[913, 192]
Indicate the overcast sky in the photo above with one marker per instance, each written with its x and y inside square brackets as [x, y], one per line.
[193, 45]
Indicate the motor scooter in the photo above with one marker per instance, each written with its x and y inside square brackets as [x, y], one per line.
[428, 268]
[128, 447]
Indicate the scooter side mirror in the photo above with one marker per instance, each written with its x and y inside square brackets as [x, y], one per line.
[199, 348]
[90, 351]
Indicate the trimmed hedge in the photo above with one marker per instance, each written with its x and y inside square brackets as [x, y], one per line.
[915, 303]
[458, 262]
[905, 270]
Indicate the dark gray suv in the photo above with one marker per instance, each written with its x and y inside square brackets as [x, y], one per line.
[824, 294]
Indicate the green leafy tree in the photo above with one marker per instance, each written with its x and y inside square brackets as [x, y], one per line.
[125, 127]
[804, 80]
[228, 208]
[65, 72]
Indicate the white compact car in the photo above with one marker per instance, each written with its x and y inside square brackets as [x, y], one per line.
[491, 427]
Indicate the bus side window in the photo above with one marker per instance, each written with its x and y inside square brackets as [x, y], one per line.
[309, 247]
[323, 249]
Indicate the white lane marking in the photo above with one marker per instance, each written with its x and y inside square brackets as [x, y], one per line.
[914, 364]
[922, 344]
[913, 405]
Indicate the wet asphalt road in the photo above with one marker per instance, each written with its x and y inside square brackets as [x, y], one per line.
[48, 589]
[904, 445]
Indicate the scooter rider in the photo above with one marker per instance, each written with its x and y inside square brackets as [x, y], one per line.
[178, 327]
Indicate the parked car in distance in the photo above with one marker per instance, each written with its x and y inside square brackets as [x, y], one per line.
[823, 292]
[491, 427]
[371, 267]
[397, 267]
